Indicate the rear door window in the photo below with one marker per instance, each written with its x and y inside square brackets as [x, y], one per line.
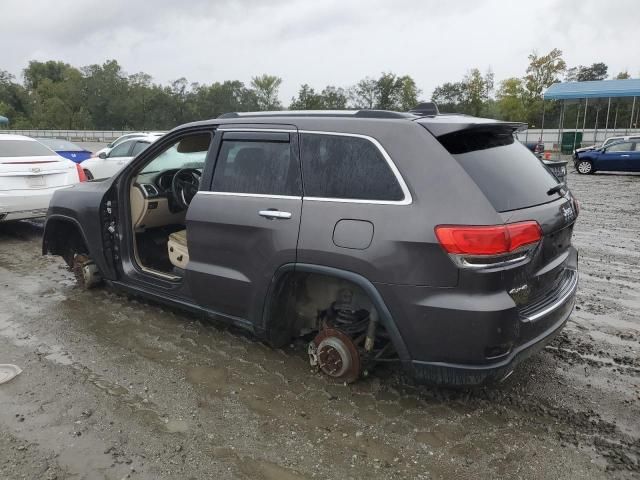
[508, 174]
[260, 167]
[346, 167]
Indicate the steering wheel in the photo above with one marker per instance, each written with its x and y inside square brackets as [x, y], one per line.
[184, 186]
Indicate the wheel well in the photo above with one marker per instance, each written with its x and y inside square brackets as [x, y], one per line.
[299, 299]
[64, 238]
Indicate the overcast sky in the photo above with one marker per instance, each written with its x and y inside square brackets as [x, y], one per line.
[319, 42]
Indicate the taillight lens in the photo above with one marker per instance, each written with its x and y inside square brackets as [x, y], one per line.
[487, 240]
[81, 176]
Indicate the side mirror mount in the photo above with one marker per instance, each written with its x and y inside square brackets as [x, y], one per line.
[102, 155]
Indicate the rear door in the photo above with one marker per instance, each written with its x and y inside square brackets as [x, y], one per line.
[245, 224]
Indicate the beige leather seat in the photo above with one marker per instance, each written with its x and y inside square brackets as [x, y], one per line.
[178, 253]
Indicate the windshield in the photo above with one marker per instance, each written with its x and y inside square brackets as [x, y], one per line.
[172, 159]
[59, 145]
[509, 175]
[23, 148]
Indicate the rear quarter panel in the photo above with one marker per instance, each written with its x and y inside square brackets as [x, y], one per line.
[404, 249]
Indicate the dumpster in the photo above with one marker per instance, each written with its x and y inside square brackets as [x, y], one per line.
[570, 140]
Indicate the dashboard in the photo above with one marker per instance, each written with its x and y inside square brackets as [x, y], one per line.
[152, 203]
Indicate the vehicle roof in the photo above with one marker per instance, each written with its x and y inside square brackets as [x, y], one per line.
[141, 134]
[11, 136]
[440, 124]
[146, 138]
[51, 140]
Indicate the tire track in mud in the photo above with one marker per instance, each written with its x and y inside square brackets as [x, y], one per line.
[263, 414]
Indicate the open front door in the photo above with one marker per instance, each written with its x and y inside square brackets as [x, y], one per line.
[245, 226]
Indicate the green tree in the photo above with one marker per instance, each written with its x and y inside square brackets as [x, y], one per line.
[511, 101]
[307, 99]
[623, 75]
[108, 95]
[36, 72]
[477, 90]
[334, 98]
[597, 71]
[331, 98]
[363, 95]
[388, 92]
[543, 71]
[449, 96]
[266, 90]
[471, 95]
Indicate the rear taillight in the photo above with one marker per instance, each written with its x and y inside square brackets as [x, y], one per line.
[81, 176]
[489, 246]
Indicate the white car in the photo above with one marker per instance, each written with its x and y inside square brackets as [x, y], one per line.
[127, 136]
[106, 165]
[29, 175]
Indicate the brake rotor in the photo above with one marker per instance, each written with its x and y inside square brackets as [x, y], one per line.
[336, 355]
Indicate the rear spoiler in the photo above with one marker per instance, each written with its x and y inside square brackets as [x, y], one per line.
[445, 124]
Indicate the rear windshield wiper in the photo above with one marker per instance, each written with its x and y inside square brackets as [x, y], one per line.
[556, 188]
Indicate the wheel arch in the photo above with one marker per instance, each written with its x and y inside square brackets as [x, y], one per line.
[286, 274]
[62, 235]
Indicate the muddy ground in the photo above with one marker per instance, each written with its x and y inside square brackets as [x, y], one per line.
[114, 387]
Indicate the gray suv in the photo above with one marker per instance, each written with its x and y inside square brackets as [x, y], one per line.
[435, 241]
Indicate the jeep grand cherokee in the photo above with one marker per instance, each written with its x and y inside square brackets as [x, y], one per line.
[436, 241]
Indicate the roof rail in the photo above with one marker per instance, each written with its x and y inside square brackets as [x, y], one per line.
[320, 113]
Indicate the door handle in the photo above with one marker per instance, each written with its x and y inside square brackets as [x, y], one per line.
[625, 155]
[274, 214]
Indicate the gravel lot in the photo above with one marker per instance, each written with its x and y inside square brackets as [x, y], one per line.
[114, 387]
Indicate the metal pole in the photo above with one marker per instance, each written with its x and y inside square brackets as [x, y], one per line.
[606, 125]
[561, 126]
[595, 127]
[584, 119]
[637, 115]
[615, 119]
[575, 134]
[542, 126]
[633, 108]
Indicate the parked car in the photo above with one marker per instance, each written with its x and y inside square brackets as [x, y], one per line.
[623, 156]
[125, 137]
[433, 241]
[66, 149]
[557, 167]
[604, 144]
[537, 148]
[107, 164]
[29, 175]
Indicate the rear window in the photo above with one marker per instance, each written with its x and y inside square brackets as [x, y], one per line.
[509, 175]
[59, 145]
[23, 148]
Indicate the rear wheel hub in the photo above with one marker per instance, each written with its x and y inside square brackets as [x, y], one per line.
[335, 354]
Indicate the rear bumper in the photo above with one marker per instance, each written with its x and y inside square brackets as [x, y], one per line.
[466, 338]
[22, 204]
